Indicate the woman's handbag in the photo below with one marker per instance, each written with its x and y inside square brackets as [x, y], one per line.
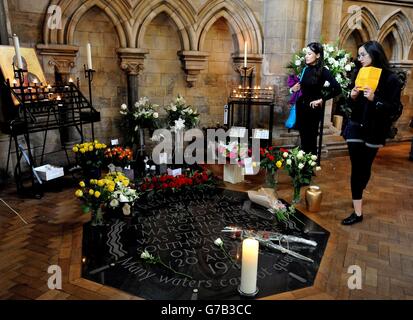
[290, 122]
[292, 117]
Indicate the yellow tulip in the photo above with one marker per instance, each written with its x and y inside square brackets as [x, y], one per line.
[82, 184]
[91, 192]
[97, 194]
[79, 193]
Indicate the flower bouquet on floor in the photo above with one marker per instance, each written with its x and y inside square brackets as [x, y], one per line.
[123, 195]
[271, 160]
[90, 156]
[194, 180]
[179, 110]
[234, 155]
[300, 167]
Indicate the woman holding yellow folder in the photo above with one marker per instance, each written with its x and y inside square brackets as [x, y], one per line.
[369, 124]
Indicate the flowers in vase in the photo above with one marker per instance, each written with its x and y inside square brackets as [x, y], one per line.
[234, 152]
[300, 166]
[179, 110]
[120, 157]
[90, 155]
[271, 159]
[123, 195]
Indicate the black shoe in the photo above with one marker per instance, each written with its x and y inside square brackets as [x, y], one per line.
[352, 219]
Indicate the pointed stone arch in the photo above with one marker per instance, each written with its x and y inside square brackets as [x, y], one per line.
[241, 19]
[369, 26]
[183, 19]
[400, 27]
[72, 12]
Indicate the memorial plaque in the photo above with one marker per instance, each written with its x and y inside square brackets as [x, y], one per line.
[181, 230]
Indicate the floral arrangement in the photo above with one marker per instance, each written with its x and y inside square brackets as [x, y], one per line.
[300, 165]
[142, 115]
[192, 180]
[281, 211]
[120, 157]
[219, 243]
[337, 60]
[150, 259]
[271, 159]
[123, 195]
[110, 191]
[179, 110]
[90, 154]
[234, 152]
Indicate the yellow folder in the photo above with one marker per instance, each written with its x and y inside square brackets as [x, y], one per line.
[368, 77]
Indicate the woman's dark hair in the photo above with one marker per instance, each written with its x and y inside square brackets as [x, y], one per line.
[317, 48]
[377, 55]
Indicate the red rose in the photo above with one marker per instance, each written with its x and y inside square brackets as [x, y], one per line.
[271, 158]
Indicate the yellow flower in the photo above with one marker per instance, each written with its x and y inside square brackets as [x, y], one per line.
[93, 181]
[82, 150]
[279, 164]
[75, 149]
[79, 193]
[91, 192]
[82, 184]
[90, 148]
[97, 194]
[111, 188]
[125, 182]
[101, 183]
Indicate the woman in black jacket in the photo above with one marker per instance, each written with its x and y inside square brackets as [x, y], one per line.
[370, 122]
[315, 79]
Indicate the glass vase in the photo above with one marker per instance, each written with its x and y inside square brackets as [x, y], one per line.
[297, 193]
[97, 217]
[271, 179]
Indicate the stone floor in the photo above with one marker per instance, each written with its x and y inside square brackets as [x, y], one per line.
[382, 245]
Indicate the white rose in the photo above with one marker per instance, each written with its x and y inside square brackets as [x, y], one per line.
[218, 242]
[289, 162]
[338, 77]
[300, 166]
[173, 108]
[300, 155]
[298, 63]
[124, 107]
[347, 67]
[155, 115]
[126, 209]
[285, 154]
[146, 255]
[318, 168]
[314, 157]
[122, 198]
[330, 49]
[326, 84]
[313, 163]
[114, 203]
[331, 61]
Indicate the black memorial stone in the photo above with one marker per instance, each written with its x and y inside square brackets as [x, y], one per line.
[181, 230]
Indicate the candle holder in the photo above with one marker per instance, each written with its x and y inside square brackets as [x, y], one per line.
[89, 77]
[247, 295]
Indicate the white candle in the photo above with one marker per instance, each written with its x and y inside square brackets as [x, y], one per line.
[17, 49]
[89, 57]
[245, 53]
[249, 266]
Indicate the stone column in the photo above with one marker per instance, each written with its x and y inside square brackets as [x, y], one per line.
[314, 20]
[131, 61]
